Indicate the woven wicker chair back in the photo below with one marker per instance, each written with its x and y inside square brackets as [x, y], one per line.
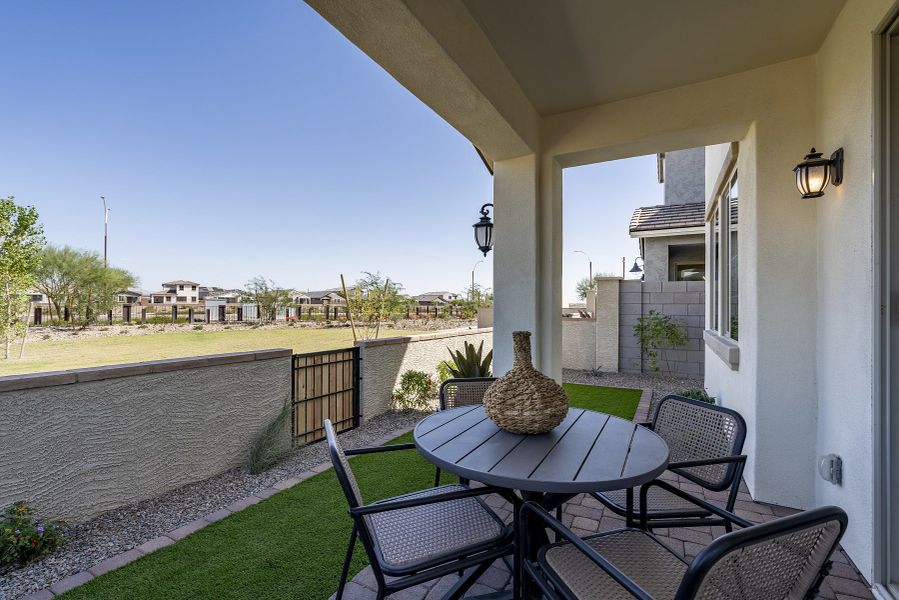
[787, 565]
[697, 430]
[463, 392]
[342, 467]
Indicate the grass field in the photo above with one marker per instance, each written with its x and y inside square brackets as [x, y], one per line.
[292, 544]
[92, 352]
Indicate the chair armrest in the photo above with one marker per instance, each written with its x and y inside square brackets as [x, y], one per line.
[623, 580]
[692, 499]
[424, 500]
[374, 449]
[738, 458]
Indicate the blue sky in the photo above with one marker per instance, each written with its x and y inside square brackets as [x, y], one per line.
[237, 138]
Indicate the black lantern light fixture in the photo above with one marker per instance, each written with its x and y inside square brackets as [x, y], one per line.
[636, 268]
[814, 173]
[483, 230]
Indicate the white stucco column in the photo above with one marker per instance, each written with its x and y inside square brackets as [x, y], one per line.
[527, 266]
[516, 265]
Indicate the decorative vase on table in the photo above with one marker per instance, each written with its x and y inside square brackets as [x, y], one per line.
[524, 400]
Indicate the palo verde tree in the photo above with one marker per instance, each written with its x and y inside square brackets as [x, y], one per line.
[21, 240]
[94, 286]
[55, 277]
[586, 284]
[372, 300]
[268, 297]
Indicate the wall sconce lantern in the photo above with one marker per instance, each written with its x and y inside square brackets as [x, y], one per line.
[483, 231]
[814, 173]
[636, 268]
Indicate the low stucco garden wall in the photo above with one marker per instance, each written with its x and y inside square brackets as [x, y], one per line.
[78, 443]
[384, 361]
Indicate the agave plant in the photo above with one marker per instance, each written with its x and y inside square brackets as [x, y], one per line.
[472, 363]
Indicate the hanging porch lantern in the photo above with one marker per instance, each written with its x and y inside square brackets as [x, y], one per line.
[483, 230]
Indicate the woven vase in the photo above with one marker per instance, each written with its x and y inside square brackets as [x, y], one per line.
[524, 400]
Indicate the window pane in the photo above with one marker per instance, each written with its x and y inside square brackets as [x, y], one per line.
[716, 256]
[734, 325]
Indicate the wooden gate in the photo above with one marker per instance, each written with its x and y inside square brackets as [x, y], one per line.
[325, 386]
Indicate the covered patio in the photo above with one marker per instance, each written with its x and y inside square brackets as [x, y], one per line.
[540, 87]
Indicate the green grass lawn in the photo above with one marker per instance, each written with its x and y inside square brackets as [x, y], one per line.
[621, 402]
[92, 352]
[292, 544]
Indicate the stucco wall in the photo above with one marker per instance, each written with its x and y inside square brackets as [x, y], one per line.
[685, 176]
[656, 264]
[579, 344]
[78, 443]
[384, 361]
[845, 265]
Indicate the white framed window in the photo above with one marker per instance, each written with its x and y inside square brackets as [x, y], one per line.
[723, 265]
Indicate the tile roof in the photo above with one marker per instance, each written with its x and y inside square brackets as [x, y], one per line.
[180, 282]
[672, 216]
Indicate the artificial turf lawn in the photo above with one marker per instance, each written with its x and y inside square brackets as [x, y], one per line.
[621, 402]
[292, 544]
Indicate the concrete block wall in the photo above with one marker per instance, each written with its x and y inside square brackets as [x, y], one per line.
[683, 300]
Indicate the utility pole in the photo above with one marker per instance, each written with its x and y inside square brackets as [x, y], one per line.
[622, 267]
[105, 232]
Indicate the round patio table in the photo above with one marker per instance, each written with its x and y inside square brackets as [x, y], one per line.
[588, 451]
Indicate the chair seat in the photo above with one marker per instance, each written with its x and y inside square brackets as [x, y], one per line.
[658, 503]
[406, 538]
[639, 555]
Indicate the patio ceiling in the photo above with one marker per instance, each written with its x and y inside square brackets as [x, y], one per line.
[568, 54]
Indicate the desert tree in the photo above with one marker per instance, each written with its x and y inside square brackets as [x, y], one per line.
[268, 297]
[372, 300]
[21, 240]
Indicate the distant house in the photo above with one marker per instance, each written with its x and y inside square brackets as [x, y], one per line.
[177, 292]
[330, 296]
[300, 297]
[232, 296]
[128, 297]
[435, 298]
[672, 235]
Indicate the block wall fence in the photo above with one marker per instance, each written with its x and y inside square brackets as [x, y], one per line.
[607, 342]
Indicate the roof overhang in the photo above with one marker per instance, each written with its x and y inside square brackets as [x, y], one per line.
[668, 232]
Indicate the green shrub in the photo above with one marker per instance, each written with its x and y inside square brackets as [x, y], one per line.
[698, 394]
[658, 333]
[415, 391]
[445, 371]
[472, 363]
[198, 328]
[24, 537]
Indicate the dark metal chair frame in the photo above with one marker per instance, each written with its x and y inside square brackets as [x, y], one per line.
[699, 517]
[442, 406]
[553, 588]
[479, 556]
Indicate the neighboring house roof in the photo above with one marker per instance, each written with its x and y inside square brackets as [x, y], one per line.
[672, 216]
[433, 296]
[323, 293]
[162, 293]
[180, 282]
[128, 293]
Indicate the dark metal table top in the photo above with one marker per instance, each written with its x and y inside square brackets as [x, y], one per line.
[588, 451]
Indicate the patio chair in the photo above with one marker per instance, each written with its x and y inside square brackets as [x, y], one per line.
[785, 559]
[705, 442]
[420, 536]
[462, 391]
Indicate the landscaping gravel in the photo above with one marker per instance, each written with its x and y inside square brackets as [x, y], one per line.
[122, 529]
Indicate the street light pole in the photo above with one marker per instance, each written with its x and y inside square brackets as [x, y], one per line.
[472, 278]
[589, 261]
[105, 231]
